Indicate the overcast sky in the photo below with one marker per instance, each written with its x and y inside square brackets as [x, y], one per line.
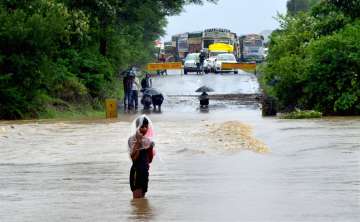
[240, 16]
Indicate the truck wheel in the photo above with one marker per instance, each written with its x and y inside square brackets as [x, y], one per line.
[185, 71]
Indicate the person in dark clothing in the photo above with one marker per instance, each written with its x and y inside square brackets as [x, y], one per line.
[162, 59]
[125, 79]
[127, 83]
[157, 101]
[202, 57]
[141, 153]
[204, 100]
[143, 84]
[146, 82]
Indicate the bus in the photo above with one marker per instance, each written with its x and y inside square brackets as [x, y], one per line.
[252, 48]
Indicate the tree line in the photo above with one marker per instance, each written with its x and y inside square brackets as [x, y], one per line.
[55, 53]
[314, 58]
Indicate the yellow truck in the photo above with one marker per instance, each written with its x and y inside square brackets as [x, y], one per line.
[218, 48]
[214, 50]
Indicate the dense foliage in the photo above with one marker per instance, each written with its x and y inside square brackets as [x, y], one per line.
[54, 53]
[296, 6]
[314, 59]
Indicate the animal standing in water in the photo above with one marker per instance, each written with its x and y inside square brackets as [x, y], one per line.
[146, 100]
[157, 101]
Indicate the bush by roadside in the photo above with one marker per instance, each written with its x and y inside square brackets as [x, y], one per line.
[301, 114]
[314, 60]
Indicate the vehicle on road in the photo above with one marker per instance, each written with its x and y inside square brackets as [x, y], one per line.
[190, 63]
[252, 48]
[209, 64]
[266, 52]
[225, 58]
[214, 50]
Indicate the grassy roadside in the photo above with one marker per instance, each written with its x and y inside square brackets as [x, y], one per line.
[87, 109]
[73, 112]
[301, 114]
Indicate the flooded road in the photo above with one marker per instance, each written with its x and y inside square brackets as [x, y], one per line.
[227, 164]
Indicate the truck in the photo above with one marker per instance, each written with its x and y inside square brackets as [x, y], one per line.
[252, 48]
[214, 50]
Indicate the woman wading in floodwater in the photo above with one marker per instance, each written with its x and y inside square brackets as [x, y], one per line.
[141, 152]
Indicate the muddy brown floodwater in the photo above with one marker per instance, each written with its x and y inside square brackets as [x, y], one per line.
[225, 164]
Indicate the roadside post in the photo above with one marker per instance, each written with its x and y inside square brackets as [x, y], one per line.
[111, 108]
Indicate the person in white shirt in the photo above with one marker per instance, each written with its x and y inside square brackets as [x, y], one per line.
[135, 93]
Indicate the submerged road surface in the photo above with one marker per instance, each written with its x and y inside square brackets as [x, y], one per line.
[226, 164]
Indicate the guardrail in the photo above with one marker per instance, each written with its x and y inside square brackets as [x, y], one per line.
[164, 66]
[245, 66]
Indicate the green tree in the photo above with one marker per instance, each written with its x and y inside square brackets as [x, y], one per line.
[333, 80]
[349, 7]
[113, 15]
[285, 62]
[29, 39]
[296, 6]
[313, 60]
[54, 53]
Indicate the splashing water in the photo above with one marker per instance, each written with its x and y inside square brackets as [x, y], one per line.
[235, 136]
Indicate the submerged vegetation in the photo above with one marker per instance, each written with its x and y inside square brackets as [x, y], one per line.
[56, 54]
[301, 114]
[314, 59]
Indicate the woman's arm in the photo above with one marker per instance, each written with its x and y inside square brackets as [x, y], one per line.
[135, 151]
[137, 146]
[151, 152]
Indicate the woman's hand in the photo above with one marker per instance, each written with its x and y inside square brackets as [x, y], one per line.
[136, 148]
[139, 137]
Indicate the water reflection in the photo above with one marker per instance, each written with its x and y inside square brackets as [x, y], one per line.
[146, 111]
[204, 110]
[141, 209]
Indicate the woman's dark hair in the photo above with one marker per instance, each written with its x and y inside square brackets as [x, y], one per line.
[144, 123]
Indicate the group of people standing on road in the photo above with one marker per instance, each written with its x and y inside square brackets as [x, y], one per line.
[132, 88]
